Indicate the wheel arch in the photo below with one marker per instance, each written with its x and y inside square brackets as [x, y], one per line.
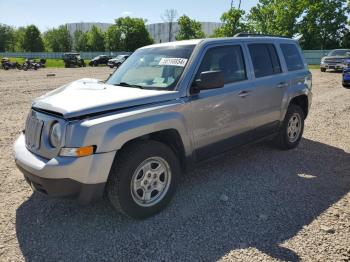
[170, 137]
[303, 102]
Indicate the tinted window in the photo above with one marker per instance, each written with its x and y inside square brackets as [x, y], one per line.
[292, 56]
[265, 59]
[228, 59]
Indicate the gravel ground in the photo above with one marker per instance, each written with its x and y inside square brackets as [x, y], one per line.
[252, 204]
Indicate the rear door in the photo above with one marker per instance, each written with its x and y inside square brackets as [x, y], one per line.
[269, 86]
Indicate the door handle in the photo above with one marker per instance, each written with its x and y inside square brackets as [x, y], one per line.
[244, 93]
[282, 85]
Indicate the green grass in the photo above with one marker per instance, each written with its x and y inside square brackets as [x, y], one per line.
[58, 63]
[314, 66]
[50, 63]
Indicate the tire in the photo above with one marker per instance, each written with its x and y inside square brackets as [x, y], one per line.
[127, 167]
[287, 139]
[323, 70]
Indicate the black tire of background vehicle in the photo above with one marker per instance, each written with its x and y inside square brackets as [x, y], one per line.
[111, 66]
[118, 186]
[323, 69]
[25, 68]
[281, 140]
[118, 65]
[66, 65]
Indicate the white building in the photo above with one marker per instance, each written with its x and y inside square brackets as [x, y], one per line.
[84, 27]
[160, 31]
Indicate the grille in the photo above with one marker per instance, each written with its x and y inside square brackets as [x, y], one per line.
[334, 60]
[33, 130]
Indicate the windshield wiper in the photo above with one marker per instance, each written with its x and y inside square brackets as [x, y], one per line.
[129, 85]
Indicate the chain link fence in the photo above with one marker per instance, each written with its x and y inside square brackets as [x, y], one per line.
[313, 57]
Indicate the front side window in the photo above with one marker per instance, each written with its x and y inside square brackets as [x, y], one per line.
[265, 59]
[228, 59]
[292, 56]
[158, 68]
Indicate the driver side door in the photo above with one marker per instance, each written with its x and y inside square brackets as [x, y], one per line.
[221, 118]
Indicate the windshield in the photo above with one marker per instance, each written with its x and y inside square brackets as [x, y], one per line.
[157, 68]
[342, 52]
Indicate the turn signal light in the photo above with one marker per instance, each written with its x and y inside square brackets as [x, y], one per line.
[77, 152]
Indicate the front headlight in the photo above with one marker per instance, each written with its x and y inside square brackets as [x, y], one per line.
[55, 135]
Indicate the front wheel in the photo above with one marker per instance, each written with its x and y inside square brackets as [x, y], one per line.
[323, 70]
[143, 179]
[292, 128]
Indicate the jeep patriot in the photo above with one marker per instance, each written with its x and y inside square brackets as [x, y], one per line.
[171, 104]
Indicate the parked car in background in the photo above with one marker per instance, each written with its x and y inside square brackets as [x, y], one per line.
[73, 59]
[99, 60]
[169, 105]
[335, 59]
[117, 61]
[346, 73]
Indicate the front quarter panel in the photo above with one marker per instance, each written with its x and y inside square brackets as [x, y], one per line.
[111, 132]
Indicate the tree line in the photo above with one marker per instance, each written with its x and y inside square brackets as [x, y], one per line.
[127, 34]
[323, 24]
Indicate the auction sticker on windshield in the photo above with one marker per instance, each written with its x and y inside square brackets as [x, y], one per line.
[173, 61]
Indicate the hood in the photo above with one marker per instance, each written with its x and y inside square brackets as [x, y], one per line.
[88, 96]
[336, 57]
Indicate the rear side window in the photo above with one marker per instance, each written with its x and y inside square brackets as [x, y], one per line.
[265, 59]
[292, 56]
[227, 59]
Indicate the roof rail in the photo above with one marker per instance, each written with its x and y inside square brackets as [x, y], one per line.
[243, 34]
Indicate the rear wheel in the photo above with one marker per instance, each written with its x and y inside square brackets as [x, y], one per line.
[292, 128]
[143, 179]
[323, 69]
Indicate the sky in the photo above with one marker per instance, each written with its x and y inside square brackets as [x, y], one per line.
[48, 13]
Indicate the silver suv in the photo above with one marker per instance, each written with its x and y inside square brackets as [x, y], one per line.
[169, 105]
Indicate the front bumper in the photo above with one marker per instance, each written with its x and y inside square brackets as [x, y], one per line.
[84, 177]
[333, 66]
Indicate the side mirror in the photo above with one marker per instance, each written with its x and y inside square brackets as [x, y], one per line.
[208, 80]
